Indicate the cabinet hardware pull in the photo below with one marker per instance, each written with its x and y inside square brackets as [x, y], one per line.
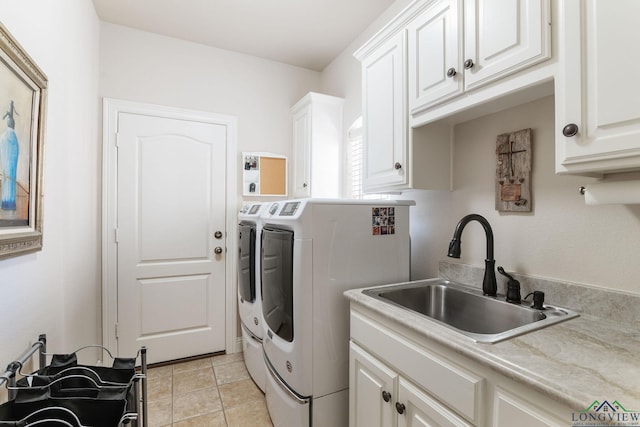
[451, 72]
[218, 250]
[400, 407]
[398, 166]
[468, 64]
[570, 130]
[386, 396]
[218, 234]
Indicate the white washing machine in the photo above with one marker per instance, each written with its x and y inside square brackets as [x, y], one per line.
[312, 251]
[249, 295]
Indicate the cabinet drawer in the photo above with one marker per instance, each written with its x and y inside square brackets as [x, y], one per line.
[453, 385]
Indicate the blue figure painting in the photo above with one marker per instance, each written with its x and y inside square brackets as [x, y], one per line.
[9, 160]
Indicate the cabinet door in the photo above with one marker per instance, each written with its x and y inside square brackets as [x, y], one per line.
[502, 37]
[302, 152]
[385, 141]
[434, 52]
[596, 90]
[510, 410]
[369, 381]
[417, 409]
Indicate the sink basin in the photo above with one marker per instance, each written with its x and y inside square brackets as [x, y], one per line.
[466, 310]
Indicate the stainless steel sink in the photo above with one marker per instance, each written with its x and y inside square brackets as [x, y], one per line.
[466, 310]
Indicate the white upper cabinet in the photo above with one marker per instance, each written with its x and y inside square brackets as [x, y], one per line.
[431, 53]
[317, 142]
[434, 55]
[390, 146]
[384, 116]
[597, 101]
[502, 37]
[459, 45]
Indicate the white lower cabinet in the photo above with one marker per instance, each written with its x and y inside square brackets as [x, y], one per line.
[400, 379]
[372, 390]
[379, 397]
[510, 408]
[417, 408]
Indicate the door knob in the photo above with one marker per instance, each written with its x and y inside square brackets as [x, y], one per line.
[386, 396]
[398, 166]
[218, 250]
[400, 407]
[468, 64]
[218, 234]
[451, 72]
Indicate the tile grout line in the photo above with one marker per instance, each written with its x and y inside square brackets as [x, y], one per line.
[173, 382]
[224, 412]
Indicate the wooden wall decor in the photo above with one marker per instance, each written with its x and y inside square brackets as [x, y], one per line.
[513, 171]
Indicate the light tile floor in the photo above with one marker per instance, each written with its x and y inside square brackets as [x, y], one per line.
[211, 392]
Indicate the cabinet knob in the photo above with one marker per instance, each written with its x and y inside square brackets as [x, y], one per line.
[398, 166]
[218, 234]
[468, 64]
[570, 130]
[218, 250]
[400, 407]
[451, 72]
[386, 396]
[304, 185]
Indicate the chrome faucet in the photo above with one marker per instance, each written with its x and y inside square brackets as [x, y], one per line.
[489, 286]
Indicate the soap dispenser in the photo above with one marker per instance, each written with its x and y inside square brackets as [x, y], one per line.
[513, 287]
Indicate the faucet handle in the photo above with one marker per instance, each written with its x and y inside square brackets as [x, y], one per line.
[504, 273]
[513, 287]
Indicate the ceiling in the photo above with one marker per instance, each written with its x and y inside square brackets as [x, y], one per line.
[304, 33]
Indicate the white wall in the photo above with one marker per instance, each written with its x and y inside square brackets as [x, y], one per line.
[562, 238]
[57, 291]
[149, 68]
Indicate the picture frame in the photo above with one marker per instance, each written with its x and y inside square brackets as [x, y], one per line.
[23, 100]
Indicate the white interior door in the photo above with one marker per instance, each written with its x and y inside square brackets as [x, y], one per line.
[170, 236]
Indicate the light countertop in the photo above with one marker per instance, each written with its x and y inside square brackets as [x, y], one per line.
[574, 362]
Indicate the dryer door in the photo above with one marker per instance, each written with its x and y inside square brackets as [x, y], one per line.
[247, 261]
[276, 265]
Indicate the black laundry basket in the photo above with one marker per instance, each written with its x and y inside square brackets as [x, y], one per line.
[100, 396]
[68, 394]
[94, 405]
[121, 373]
[47, 417]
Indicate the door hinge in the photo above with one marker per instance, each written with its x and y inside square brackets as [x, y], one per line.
[115, 233]
[116, 330]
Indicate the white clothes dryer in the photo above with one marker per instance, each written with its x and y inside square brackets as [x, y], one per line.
[312, 251]
[249, 295]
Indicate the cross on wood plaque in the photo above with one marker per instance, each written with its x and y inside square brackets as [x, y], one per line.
[513, 171]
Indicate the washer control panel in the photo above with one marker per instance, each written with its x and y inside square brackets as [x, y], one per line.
[289, 208]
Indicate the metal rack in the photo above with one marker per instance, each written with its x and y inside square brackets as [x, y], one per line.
[52, 414]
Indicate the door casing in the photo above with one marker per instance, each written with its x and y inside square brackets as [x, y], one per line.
[111, 109]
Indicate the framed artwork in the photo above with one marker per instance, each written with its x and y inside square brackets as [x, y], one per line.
[23, 98]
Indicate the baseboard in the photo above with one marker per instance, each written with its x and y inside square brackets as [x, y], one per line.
[238, 346]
